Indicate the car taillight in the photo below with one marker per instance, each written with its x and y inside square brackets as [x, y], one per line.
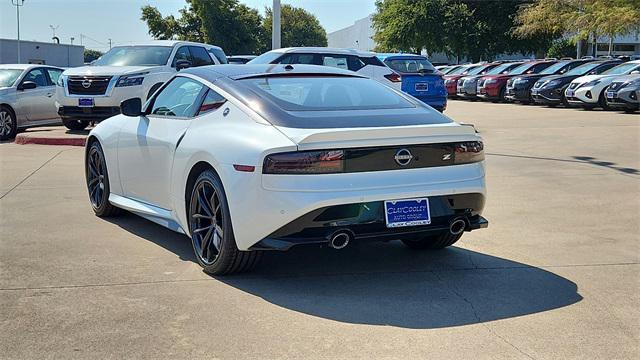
[305, 162]
[468, 152]
[393, 77]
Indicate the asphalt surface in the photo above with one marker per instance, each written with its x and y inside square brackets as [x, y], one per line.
[555, 276]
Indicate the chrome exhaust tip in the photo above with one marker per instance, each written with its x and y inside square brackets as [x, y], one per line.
[457, 226]
[340, 240]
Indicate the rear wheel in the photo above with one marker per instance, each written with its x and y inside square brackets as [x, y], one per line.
[8, 124]
[98, 182]
[433, 242]
[73, 124]
[211, 232]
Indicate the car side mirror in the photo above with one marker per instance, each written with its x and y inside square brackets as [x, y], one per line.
[27, 85]
[131, 107]
[183, 64]
[635, 72]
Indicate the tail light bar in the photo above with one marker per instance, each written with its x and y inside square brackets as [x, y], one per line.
[336, 161]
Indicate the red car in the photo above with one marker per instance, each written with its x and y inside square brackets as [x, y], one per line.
[492, 87]
[451, 78]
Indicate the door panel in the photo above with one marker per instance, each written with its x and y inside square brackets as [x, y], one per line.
[37, 103]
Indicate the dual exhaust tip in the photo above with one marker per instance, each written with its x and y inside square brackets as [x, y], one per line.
[341, 238]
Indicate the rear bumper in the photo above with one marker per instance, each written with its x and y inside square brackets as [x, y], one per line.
[366, 222]
[436, 102]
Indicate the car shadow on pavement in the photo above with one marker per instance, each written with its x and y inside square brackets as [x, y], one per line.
[388, 284]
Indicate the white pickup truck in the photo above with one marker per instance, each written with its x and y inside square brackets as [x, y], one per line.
[94, 92]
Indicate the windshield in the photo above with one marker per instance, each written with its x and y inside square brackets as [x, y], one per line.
[521, 69]
[553, 68]
[266, 58]
[327, 93]
[478, 70]
[622, 69]
[8, 77]
[410, 65]
[501, 69]
[135, 56]
[459, 70]
[583, 69]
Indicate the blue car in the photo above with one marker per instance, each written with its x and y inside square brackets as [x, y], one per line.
[419, 78]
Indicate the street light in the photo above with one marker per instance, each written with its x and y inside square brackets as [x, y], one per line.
[275, 28]
[18, 4]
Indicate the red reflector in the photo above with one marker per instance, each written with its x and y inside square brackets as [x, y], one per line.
[244, 168]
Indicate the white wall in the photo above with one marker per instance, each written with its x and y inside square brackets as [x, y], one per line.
[35, 52]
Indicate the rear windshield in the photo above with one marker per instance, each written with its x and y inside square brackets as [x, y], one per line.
[410, 65]
[266, 58]
[135, 56]
[327, 93]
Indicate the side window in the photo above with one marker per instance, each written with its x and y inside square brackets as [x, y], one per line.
[219, 54]
[337, 61]
[200, 56]
[178, 98]
[182, 54]
[298, 59]
[355, 63]
[54, 74]
[211, 102]
[603, 68]
[37, 76]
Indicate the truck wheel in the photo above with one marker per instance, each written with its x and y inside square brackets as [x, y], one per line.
[73, 124]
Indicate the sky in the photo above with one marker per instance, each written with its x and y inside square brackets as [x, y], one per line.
[119, 20]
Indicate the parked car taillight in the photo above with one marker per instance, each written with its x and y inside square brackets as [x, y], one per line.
[305, 162]
[393, 77]
[468, 152]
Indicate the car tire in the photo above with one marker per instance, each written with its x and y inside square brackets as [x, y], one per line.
[603, 102]
[73, 124]
[211, 231]
[433, 242]
[97, 178]
[8, 123]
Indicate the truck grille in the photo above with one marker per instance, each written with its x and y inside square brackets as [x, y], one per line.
[88, 85]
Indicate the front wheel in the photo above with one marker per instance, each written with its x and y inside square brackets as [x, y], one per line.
[73, 124]
[8, 124]
[211, 231]
[433, 242]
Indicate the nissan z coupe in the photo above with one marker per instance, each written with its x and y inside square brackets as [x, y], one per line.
[249, 158]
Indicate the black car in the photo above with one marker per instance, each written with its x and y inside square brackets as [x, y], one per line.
[550, 89]
[519, 87]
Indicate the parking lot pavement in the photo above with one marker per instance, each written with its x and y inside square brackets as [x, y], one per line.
[556, 274]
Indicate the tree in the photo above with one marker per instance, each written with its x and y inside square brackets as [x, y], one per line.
[561, 48]
[299, 27]
[90, 55]
[235, 27]
[580, 18]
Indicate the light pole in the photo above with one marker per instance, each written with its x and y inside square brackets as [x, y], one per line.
[109, 44]
[275, 28]
[18, 4]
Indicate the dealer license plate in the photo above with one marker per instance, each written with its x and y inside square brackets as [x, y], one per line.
[534, 92]
[422, 86]
[570, 93]
[407, 212]
[611, 94]
[85, 102]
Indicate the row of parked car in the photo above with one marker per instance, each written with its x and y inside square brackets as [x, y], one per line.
[33, 95]
[611, 84]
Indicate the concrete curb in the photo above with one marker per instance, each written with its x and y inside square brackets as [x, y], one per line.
[31, 138]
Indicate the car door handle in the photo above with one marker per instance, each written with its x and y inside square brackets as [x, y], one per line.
[49, 94]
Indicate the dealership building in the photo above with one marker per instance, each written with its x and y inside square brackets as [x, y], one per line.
[34, 52]
[360, 36]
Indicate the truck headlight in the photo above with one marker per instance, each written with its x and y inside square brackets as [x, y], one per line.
[129, 81]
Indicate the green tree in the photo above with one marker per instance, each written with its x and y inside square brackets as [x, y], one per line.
[90, 55]
[299, 28]
[562, 48]
[235, 27]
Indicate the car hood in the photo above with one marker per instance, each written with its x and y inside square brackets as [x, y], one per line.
[587, 78]
[107, 70]
[5, 91]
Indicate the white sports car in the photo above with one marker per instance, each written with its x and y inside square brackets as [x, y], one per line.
[248, 158]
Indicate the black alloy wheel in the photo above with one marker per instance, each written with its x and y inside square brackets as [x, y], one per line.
[211, 232]
[98, 182]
